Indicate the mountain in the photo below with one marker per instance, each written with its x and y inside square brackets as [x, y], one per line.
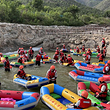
[66, 3]
[90, 3]
[104, 5]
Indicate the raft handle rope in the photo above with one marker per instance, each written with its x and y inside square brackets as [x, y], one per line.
[72, 97]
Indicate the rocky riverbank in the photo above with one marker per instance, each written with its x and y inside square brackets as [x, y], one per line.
[13, 36]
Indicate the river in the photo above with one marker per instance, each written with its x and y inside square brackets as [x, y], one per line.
[63, 79]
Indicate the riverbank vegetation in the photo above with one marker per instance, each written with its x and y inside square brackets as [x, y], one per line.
[50, 12]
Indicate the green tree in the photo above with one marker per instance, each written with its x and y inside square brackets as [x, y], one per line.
[38, 4]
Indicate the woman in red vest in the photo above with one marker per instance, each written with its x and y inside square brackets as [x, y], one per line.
[38, 58]
[30, 53]
[106, 68]
[52, 74]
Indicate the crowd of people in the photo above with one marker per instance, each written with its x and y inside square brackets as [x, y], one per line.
[60, 57]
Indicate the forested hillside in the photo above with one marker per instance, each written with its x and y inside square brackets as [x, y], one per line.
[90, 3]
[104, 5]
[50, 12]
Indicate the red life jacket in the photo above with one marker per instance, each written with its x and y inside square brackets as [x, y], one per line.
[20, 60]
[30, 51]
[84, 103]
[104, 94]
[45, 57]
[7, 64]
[22, 73]
[61, 54]
[21, 52]
[63, 46]
[98, 50]
[55, 57]
[104, 70]
[101, 57]
[57, 52]
[89, 52]
[38, 57]
[69, 60]
[77, 50]
[104, 51]
[83, 49]
[103, 41]
[51, 74]
[41, 52]
[87, 58]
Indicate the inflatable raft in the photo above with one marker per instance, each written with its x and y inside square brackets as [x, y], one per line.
[92, 89]
[57, 97]
[46, 60]
[100, 63]
[28, 63]
[86, 67]
[12, 57]
[35, 81]
[75, 61]
[75, 53]
[88, 76]
[2, 61]
[64, 50]
[94, 55]
[18, 100]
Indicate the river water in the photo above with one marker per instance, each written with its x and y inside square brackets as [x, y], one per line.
[6, 78]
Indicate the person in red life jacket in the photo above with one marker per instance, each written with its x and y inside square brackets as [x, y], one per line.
[61, 53]
[21, 74]
[1, 56]
[98, 49]
[106, 68]
[45, 56]
[69, 60]
[7, 64]
[90, 53]
[83, 48]
[30, 53]
[55, 57]
[104, 51]
[21, 51]
[88, 58]
[52, 74]
[102, 89]
[101, 57]
[83, 102]
[41, 51]
[63, 46]
[65, 58]
[103, 42]
[38, 58]
[20, 60]
[57, 50]
[25, 58]
[77, 49]
[61, 61]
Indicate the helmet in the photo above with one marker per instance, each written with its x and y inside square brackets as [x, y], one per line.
[57, 48]
[97, 46]
[21, 56]
[103, 38]
[84, 94]
[64, 45]
[55, 52]
[77, 46]
[101, 79]
[22, 48]
[60, 50]
[87, 52]
[108, 62]
[88, 48]
[52, 67]
[104, 47]
[21, 67]
[45, 54]
[68, 55]
[41, 48]
[30, 47]
[0, 53]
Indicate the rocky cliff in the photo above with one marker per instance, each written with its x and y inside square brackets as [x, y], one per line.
[13, 36]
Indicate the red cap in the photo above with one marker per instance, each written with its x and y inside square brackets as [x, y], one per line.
[52, 67]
